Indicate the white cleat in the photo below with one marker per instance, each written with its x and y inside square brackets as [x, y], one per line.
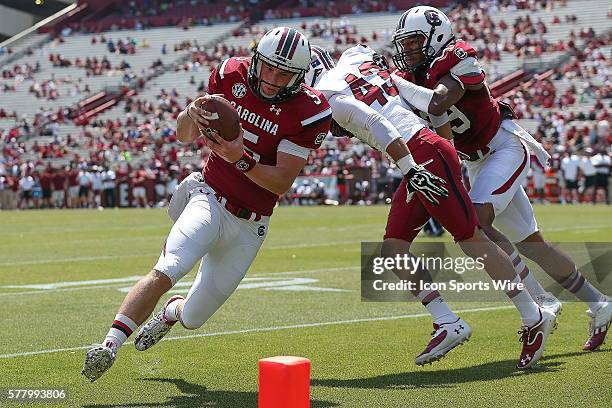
[98, 359]
[155, 329]
[598, 327]
[444, 338]
[549, 302]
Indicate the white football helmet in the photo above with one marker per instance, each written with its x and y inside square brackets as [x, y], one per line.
[321, 61]
[429, 22]
[284, 48]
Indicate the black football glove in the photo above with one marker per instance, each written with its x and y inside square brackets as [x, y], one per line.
[418, 179]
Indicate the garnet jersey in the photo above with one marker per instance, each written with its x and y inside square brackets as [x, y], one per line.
[294, 126]
[476, 118]
[363, 75]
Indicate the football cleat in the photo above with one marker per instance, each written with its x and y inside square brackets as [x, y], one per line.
[156, 328]
[99, 358]
[444, 338]
[534, 339]
[598, 327]
[549, 302]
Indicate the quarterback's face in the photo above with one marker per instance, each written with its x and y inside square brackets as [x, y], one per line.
[412, 46]
[272, 79]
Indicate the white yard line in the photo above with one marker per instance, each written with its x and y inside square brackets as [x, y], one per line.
[43, 291]
[265, 329]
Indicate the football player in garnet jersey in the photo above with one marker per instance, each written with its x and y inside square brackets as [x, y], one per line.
[366, 104]
[441, 75]
[221, 216]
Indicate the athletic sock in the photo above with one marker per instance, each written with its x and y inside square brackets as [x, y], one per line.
[578, 285]
[119, 332]
[172, 312]
[528, 309]
[531, 283]
[437, 307]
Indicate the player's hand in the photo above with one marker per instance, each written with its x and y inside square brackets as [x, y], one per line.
[198, 115]
[231, 151]
[418, 179]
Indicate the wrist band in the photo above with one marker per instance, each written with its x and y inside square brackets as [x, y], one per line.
[246, 162]
[405, 164]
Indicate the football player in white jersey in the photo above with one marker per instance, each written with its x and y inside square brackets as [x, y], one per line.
[366, 104]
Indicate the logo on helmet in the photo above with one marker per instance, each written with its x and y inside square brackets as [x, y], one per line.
[433, 18]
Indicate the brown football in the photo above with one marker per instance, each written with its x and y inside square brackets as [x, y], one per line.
[226, 120]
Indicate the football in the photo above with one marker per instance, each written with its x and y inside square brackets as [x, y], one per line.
[225, 119]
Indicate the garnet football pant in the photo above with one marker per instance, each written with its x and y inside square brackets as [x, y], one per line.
[226, 246]
[498, 179]
[455, 212]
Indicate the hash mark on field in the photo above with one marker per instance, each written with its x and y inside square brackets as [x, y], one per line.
[60, 286]
[266, 329]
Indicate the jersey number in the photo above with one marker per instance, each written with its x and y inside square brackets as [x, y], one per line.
[365, 91]
[458, 121]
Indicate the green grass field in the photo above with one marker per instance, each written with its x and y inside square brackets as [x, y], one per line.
[362, 353]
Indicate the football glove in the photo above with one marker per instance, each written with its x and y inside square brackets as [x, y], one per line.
[418, 179]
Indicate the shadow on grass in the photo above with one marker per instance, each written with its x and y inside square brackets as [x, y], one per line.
[448, 378]
[196, 395]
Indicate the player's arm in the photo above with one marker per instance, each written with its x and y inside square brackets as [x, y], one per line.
[465, 75]
[277, 179]
[347, 110]
[445, 130]
[447, 92]
[193, 118]
[386, 138]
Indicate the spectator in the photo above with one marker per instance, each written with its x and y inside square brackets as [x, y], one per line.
[4, 192]
[108, 182]
[589, 172]
[139, 191]
[96, 187]
[84, 187]
[59, 188]
[539, 178]
[46, 179]
[26, 184]
[603, 164]
[570, 166]
[73, 186]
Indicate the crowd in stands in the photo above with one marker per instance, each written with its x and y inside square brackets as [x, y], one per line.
[142, 137]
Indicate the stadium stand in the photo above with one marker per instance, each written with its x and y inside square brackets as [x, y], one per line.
[109, 99]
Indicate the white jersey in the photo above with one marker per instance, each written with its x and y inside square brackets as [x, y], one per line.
[359, 76]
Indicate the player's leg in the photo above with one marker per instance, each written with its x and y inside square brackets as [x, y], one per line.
[517, 222]
[219, 275]
[403, 225]
[560, 267]
[191, 237]
[495, 181]
[220, 272]
[459, 217]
